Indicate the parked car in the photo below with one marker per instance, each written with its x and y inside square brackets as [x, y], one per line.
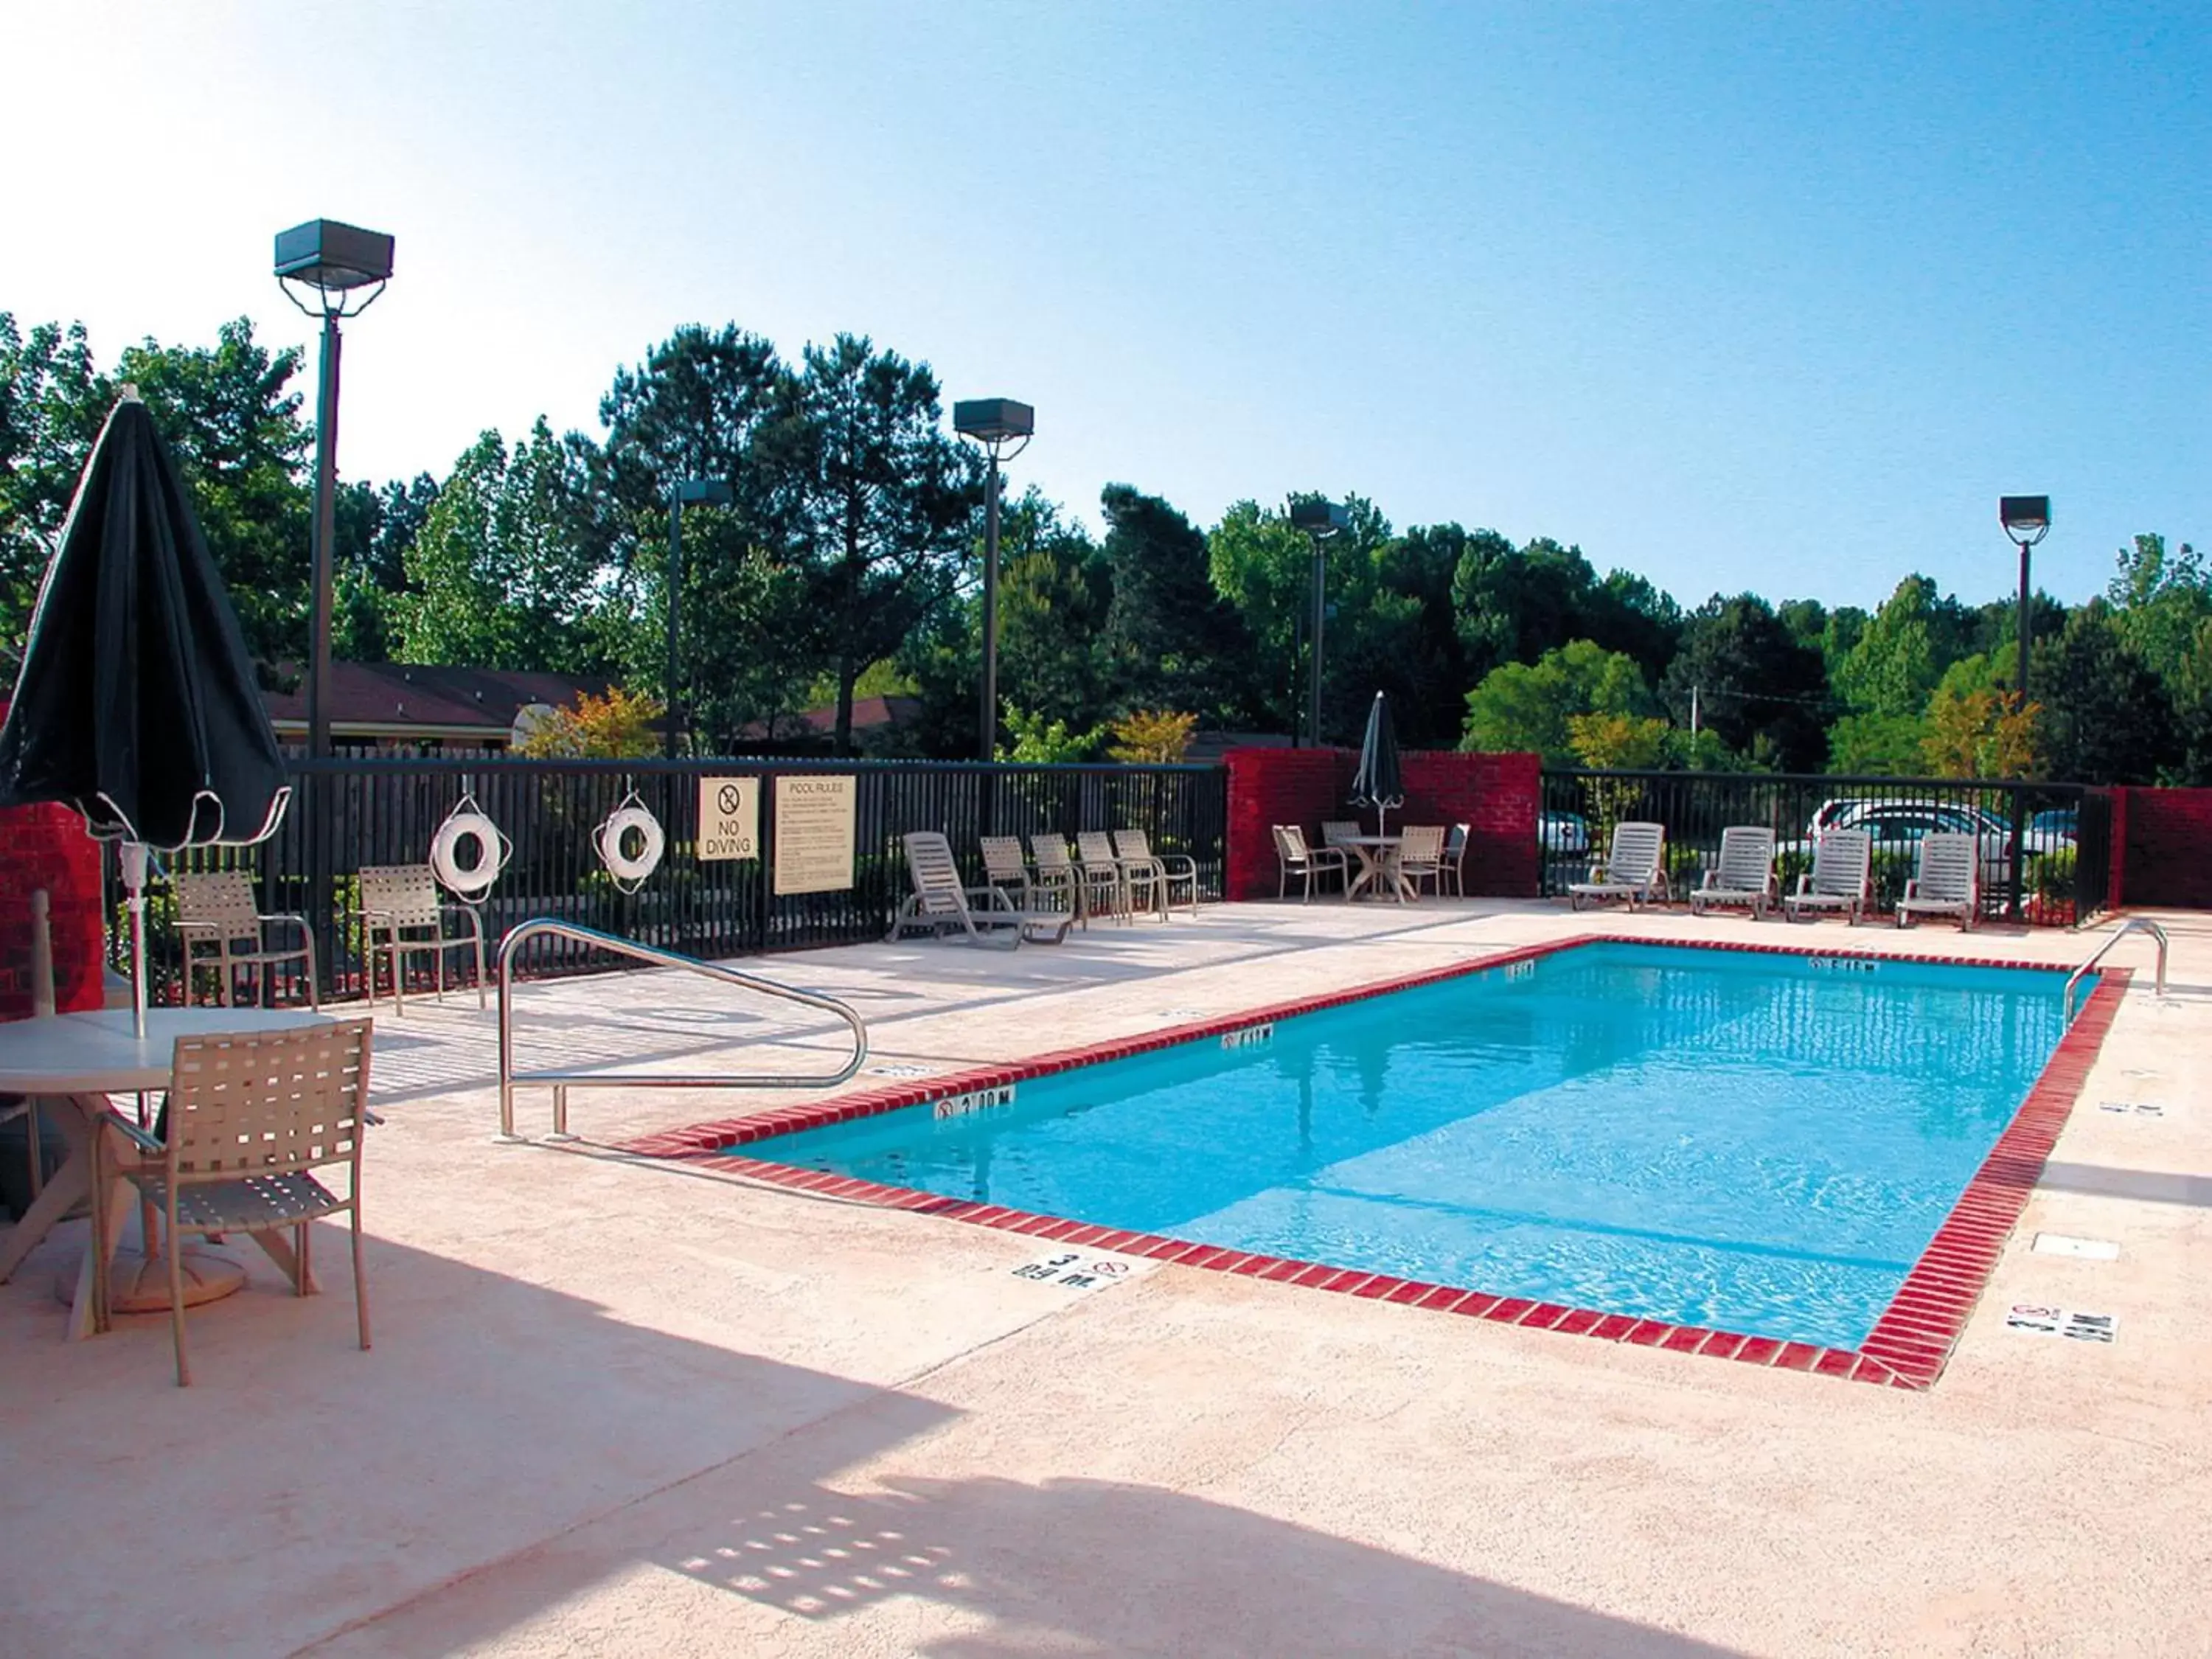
[1897, 825]
[2057, 827]
[1563, 832]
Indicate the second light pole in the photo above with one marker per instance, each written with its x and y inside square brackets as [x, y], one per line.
[688, 492]
[994, 422]
[1320, 519]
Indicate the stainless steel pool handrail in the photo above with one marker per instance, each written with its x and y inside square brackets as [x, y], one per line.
[544, 927]
[2132, 924]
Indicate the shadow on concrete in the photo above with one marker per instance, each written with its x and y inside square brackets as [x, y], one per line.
[2145, 1186]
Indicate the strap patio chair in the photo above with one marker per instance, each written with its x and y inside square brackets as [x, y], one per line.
[1635, 869]
[1841, 879]
[1057, 871]
[1421, 855]
[1005, 866]
[1294, 858]
[1335, 832]
[1454, 858]
[1103, 869]
[223, 928]
[1745, 874]
[403, 914]
[249, 1115]
[1135, 848]
[940, 901]
[1947, 882]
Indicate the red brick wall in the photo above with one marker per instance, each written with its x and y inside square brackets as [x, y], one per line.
[2164, 842]
[1499, 795]
[47, 847]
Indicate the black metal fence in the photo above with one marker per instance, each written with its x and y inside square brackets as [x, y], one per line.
[2046, 848]
[352, 811]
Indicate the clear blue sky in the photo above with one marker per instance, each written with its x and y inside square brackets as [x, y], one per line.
[1776, 296]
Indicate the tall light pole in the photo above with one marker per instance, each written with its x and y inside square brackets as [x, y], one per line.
[994, 422]
[344, 269]
[1320, 519]
[2026, 520]
[688, 492]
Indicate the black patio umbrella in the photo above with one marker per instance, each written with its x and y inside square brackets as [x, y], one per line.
[137, 702]
[1378, 783]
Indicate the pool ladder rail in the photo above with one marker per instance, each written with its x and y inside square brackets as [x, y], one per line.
[2133, 925]
[563, 1081]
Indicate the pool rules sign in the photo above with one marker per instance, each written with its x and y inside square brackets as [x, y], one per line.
[814, 833]
[729, 819]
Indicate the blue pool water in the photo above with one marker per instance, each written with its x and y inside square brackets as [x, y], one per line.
[1756, 1143]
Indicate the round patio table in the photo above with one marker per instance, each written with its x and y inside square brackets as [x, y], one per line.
[1378, 866]
[80, 1059]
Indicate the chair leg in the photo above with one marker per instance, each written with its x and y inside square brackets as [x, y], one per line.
[223, 994]
[360, 1279]
[176, 1253]
[300, 1277]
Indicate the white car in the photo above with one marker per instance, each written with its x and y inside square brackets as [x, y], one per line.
[1896, 826]
[1563, 832]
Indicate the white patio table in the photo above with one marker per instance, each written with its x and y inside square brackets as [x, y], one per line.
[1378, 866]
[82, 1059]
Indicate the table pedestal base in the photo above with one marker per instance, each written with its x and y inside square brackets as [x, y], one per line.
[138, 1283]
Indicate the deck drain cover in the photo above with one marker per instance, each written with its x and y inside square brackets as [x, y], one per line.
[2132, 1108]
[898, 1070]
[1181, 1013]
[2038, 1319]
[2089, 1249]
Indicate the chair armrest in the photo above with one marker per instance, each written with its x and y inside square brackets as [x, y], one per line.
[146, 1140]
[296, 920]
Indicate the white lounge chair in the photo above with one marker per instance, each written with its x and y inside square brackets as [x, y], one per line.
[1745, 874]
[940, 901]
[1135, 848]
[1841, 879]
[1947, 882]
[1635, 870]
[1294, 858]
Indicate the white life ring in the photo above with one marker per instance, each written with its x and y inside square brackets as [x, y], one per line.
[469, 881]
[631, 870]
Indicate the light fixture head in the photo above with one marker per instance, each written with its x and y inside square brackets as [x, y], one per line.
[993, 420]
[1318, 518]
[2026, 517]
[332, 256]
[704, 492]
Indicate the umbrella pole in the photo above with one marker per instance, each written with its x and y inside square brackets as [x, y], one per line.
[134, 883]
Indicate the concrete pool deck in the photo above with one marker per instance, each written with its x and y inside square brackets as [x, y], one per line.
[619, 1406]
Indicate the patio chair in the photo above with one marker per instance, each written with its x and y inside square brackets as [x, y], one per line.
[248, 1116]
[1005, 866]
[1421, 855]
[1294, 858]
[1454, 858]
[1947, 880]
[1635, 869]
[1135, 848]
[1745, 874]
[1056, 869]
[223, 928]
[1335, 832]
[403, 914]
[1104, 870]
[1841, 879]
[938, 900]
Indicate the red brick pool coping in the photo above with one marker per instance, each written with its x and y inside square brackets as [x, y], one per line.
[1907, 1348]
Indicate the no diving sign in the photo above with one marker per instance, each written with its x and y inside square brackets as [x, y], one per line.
[729, 819]
[1082, 1271]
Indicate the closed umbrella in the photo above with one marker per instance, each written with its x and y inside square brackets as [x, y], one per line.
[137, 702]
[1378, 783]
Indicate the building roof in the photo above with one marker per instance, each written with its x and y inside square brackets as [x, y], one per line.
[413, 700]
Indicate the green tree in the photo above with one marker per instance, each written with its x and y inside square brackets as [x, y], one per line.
[501, 574]
[52, 403]
[1172, 640]
[885, 504]
[2107, 718]
[704, 404]
[1869, 744]
[1896, 661]
[2160, 599]
[1053, 593]
[233, 424]
[1533, 706]
[1762, 691]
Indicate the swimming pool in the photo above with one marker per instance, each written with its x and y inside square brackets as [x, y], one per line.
[1685, 1139]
